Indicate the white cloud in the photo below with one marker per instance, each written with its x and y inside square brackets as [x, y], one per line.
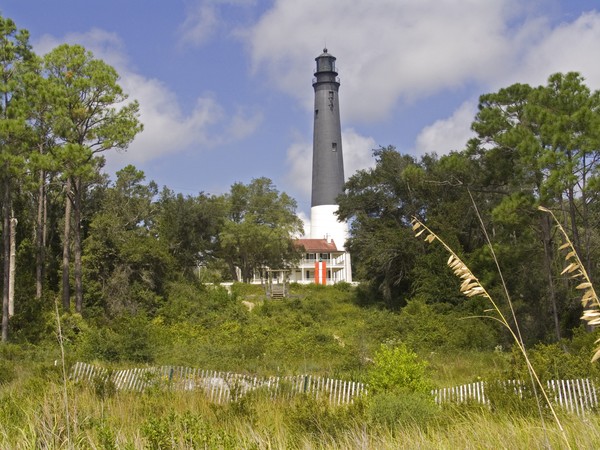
[388, 51]
[200, 24]
[392, 53]
[448, 134]
[358, 151]
[204, 20]
[104, 44]
[540, 51]
[569, 47]
[167, 129]
[299, 160]
[305, 218]
[243, 123]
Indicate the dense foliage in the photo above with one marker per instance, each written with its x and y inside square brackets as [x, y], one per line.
[114, 246]
[534, 147]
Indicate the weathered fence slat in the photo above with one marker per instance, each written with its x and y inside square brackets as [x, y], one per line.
[561, 390]
[575, 396]
[572, 399]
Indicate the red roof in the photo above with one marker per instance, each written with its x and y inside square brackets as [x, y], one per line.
[316, 245]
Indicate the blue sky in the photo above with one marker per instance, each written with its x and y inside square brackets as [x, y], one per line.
[225, 85]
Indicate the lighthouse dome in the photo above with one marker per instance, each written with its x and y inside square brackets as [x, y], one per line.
[325, 62]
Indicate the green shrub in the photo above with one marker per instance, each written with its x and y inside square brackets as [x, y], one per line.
[421, 327]
[343, 286]
[129, 338]
[102, 344]
[137, 339]
[73, 327]
[398, 369]
[159, 433]
[106, 436]
[104, 386]
[558, 361]
[441, 327]
[34, 320]
[183, 302]
[241, 290]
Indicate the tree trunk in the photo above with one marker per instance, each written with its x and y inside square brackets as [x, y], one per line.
[6, 257]
[66, 293]
[585, 222]
[546, 226]
[12, 266]
[574, 227]
[78, 270]
[40, 236]
[232, 271]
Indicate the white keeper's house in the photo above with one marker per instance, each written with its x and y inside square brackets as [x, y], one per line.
[322, 263]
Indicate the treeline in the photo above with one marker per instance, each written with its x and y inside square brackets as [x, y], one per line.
[113, 248]
[534, 146]
[72, 236]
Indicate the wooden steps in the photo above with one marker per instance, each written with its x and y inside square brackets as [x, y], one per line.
[277, 291]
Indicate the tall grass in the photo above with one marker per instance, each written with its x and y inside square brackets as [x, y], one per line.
[175, 420]
[63, 367]
[472, 287]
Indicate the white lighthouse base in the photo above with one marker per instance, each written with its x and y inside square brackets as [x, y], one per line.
[324, 225]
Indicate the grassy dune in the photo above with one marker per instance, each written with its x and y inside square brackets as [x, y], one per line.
[319, 331]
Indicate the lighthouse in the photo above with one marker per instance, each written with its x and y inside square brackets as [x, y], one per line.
[325, 260]
[328, 160]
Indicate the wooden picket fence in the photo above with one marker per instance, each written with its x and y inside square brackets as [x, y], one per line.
[220, 387]
[575, 396]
